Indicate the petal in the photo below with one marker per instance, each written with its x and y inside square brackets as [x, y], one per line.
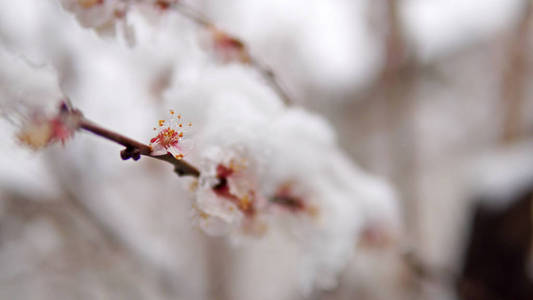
[185, 146]
[157, 149]
[214, 226]
[218, 207]
[175, 151]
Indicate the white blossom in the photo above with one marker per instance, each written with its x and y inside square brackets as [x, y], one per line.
[98, 14]
[172, 137]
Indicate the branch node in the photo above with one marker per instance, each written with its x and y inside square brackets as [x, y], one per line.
[130, 152]
[136, 155]
[124, 154]
[179, 171]
[135, 149]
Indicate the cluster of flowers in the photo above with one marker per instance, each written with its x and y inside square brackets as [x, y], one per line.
[229, 194]
[264, 168]
[109, 17]
[270, 169]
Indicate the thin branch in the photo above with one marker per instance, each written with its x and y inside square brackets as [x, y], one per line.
[422, 271]
[266, 72]
[192, 15]
[273, 80]
[135, 149]
[514, 76]
[141, 148]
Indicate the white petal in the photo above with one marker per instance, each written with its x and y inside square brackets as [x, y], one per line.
[157, 149]
[175, 151]
[185, 146]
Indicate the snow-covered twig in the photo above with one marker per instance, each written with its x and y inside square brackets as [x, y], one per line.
[227, 40]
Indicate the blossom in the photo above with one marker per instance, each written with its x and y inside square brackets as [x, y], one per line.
[98, 14]
[171, 137]
[289, 198]
[227, 47]
[39, 130]
[375, 235]
[35, 134]
[90, 3]
[163, 4]
[228, 199]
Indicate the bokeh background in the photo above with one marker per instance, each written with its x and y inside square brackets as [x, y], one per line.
[431, 96]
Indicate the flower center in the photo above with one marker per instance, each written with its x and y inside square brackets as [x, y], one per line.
[167, 137]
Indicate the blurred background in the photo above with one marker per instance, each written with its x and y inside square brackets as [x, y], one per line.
[433, 96]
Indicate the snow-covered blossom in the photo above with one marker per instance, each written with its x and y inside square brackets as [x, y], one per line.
[228, 198]
[161, 4]
[99, 14]
[287, 161]
[109, 17]
[290, 197]
[172, 137]
[228, 48]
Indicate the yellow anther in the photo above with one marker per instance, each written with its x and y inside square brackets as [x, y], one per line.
[171, 111]
[89, 3]
[245, 203]
[161, 122]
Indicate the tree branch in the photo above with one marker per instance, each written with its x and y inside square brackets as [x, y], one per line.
[265, 71]
[514, 76]
[135, 149]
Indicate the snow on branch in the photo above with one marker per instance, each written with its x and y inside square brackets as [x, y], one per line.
[233, 47]
[103, 15]
[258, 165]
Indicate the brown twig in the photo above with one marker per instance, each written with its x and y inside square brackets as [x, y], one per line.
[266, 72]
[135, 149]
[140, 148]
[514, 76]
[191, 14]
[271, 78]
